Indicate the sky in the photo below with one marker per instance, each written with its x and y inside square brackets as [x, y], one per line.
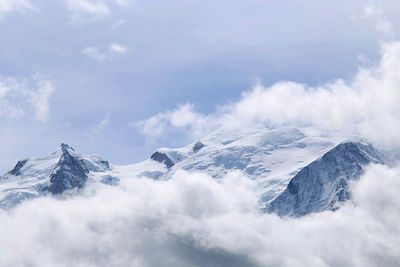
[105, 76]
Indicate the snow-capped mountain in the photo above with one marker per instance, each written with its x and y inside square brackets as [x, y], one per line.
[62, 170]
[298, 170]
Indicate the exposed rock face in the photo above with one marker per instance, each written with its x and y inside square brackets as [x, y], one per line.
[55, 173]
[199, 145]
[162, 158]
[17, 168]
[323, 184]
[69, 173]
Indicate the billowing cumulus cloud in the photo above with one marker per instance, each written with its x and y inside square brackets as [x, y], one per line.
[357, 107]
[194, 220]
[22, 97]
[183, 118]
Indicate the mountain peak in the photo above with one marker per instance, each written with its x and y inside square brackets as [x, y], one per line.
[64, 147]
[70, 172]
[61, 170]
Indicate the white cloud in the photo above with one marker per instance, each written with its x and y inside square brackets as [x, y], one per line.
[90, 7]
[123, 2]
[7, 6]
[357, 107]
[117, 48]
[183, 118]
[83, 10]
[194, 220]
[19, 97]
[102, 54]
[375, 13]
[99, 127]
[94, 53]
[39, 99]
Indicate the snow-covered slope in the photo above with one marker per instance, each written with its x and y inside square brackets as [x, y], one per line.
[324, 184]
[269, 157]
[64, 169]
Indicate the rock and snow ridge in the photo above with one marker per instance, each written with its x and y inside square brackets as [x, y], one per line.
[62, 170]
[298, 170]
[324, 184]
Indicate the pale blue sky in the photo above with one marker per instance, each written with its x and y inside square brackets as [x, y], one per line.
[113, 63]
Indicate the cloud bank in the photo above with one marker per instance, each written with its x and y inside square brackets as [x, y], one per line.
[357, 107]
[193, 220]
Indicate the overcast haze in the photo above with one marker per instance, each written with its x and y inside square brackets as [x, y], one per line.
[88, 72]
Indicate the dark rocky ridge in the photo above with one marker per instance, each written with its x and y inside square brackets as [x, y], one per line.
[69, 173]
[162, 158]
[18, 166]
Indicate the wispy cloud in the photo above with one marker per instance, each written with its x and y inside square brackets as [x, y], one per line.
[39, 98]
[83, 10]
[101, 54]
[19, 97]
[94, 53]
[117, 48]
[97, 128]
[7, 6]
[375, 13]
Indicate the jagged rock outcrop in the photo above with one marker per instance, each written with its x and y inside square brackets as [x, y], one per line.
[162, 158]
[324, 184]
[199, 145]
[18, 166]
[62, 170]
[70, 172]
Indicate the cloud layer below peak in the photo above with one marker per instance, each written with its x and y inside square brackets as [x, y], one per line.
[194, 220]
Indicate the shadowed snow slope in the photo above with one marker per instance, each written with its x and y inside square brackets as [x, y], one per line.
[324, 184]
